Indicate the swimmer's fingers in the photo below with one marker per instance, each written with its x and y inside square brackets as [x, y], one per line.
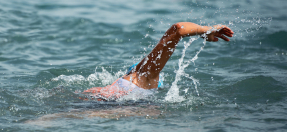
[228, 34]
[223, 37]
[229, 30]
[226, 31]
[215, 39]
[223, 28]
[222, 33]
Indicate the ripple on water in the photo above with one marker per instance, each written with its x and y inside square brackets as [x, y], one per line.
[257, 89]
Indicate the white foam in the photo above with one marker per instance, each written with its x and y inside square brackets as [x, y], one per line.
[71, 78]
[104, 77]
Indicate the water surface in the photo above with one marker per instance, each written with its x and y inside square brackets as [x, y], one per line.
[50, 49]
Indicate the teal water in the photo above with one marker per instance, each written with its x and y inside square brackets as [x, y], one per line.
[50, 49]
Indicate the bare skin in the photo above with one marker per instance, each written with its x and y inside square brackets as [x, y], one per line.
[146, 73]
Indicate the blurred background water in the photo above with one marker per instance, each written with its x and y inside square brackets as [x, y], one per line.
[49, 49]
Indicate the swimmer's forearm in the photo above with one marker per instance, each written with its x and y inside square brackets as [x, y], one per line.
[191, 29]
[180, 30]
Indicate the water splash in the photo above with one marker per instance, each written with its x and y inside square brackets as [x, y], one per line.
[96, 79]
[71, 78]
[173, 93]
[105, 77]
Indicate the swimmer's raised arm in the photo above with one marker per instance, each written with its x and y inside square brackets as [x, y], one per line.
[146, 73]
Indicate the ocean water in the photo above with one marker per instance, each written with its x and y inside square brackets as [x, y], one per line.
[52, 50]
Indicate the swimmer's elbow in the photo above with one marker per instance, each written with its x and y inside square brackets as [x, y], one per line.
[173, 29]
[180, 29]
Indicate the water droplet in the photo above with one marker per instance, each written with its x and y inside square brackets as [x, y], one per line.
[146, 35]
[185, 90]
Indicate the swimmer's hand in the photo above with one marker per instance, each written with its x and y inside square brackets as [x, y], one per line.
[219, 31]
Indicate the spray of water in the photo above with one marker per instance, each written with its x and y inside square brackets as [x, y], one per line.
[102, 78]
[173, 93]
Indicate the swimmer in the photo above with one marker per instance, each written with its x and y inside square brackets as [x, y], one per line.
[144, 76]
